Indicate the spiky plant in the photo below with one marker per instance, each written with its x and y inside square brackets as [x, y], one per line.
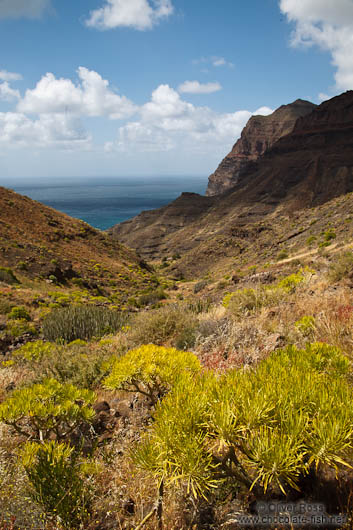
[265, 427]
[47, 409]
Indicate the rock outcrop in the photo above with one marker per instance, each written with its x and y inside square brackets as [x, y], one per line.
[260, 133]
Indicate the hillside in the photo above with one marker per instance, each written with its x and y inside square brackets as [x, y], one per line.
[302, 170]
[259, 134]
[41, 243]
[49, 260]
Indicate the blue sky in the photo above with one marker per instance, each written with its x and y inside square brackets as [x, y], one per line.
[156, 87]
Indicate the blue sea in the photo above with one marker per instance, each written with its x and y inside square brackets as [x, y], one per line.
[104, 202]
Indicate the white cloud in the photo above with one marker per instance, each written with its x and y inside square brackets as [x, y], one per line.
[214, 60]
[195, 87]
[323, 97]
[91, 97]
[49, 130]
[329, 25]
[23, 8]
[9, 76]
[138, 14]
[168, 122]
[7, 93]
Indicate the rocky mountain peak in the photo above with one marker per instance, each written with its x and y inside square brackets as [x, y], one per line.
[260, 133]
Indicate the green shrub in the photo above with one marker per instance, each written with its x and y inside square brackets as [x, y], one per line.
[306, 325]
[329, 235]
[17, 328]
[171, 324]
[265, 428]
[56, 474]
[7, 276]
[248, 300]
[47, 409]
[289, 283]
[151, 298]
[81, 322]
[311, 240]
[151, 370]
[19, 313]
[342, 268]
[77, 365]
[34, 351]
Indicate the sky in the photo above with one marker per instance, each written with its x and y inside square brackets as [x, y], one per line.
[156, 87]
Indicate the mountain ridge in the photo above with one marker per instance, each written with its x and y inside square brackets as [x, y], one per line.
[296, 172]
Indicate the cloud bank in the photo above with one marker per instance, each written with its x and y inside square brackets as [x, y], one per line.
[56, 111]
[137, 14]
[168, 122]
[329, 25]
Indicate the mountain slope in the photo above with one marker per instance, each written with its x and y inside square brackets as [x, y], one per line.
[308, 167]
[41, 243]
[259, 134]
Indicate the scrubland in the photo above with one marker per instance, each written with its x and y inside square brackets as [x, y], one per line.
[183, 410]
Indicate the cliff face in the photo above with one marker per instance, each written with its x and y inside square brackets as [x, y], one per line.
[305, 168]
[260, 133]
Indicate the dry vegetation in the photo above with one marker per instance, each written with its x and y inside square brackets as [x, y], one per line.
[99, 482]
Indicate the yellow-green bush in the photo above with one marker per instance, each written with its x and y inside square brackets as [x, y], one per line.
[265, 428]
[17, 328]
[305, 325]
[56, 474]
[19, 313]
[248, 300]
[152, 370]
[34, 351]
[47, 409]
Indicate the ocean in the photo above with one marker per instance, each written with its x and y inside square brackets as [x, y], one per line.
[104, 202]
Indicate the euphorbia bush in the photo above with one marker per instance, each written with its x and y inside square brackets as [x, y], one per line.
[48, 409]
[56, 473]
[266, 427]
[151, 370]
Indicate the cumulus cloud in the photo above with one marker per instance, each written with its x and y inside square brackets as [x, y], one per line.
[92, 96]
[168, 122]
[137, 14]
[7, 93]
[195, 87]
[329, 25]
[214, 60]
[49, 130]
[9, 76]
[23, 8]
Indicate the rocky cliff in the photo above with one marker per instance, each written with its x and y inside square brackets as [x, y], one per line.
[303, 169]
[260, 133]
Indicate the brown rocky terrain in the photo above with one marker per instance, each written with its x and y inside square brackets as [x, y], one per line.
[306, 168]
[260, 133]
[40, 243]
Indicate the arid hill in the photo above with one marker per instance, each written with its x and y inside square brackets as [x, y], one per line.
[259, 134]
[40, 243]
[308, 167]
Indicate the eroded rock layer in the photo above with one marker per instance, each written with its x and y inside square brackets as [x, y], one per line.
[260, 133]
